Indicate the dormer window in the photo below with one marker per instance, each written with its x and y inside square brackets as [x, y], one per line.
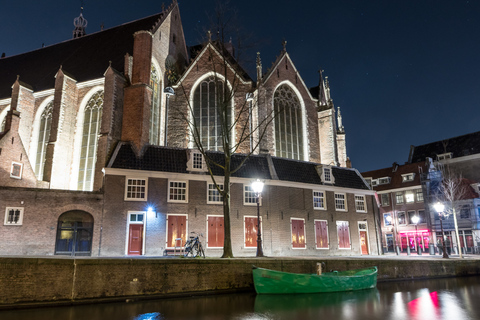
[326, 174]
[444, 156]
[374, 182]
[384, 180]
[196, 161]
[408, 177]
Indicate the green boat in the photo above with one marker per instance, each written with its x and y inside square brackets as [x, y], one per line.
[277, 282]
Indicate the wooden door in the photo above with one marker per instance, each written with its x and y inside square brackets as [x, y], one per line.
[298, 233]
[215, 232]
[364, 241]
[251, 232]
[135, 239]
[176, 228]
[343, 235]
[321, 234]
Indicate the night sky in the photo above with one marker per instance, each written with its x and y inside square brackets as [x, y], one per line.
[403, 72]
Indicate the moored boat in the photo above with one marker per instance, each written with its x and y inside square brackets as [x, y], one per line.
[278, 282]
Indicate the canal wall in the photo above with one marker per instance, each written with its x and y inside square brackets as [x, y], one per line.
[32, 281]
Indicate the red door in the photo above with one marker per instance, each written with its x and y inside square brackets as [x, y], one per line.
[251, 232]
[177, 228]
[364, 241]
[135, 239]
[321, 234]
[215, 232]
[343, 235]
[298, 233]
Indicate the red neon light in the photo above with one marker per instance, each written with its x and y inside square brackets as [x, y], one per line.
[413, 231]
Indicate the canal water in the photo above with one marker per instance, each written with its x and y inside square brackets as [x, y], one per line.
[453, 299]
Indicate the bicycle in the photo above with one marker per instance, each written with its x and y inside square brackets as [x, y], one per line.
[193, 246]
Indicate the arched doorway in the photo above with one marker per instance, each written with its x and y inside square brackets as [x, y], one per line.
[74, 234]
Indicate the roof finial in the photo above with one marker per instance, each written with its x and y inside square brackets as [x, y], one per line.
[322, 97]
[209, 34]
[284, 44]
[259, 68]
[80, 24]
[341, 129]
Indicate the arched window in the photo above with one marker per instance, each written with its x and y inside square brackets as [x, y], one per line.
[154, 137]
[210, 110]
[3, 118]
[43, 137]
[288, 124]
[74, 234]
[88, 154]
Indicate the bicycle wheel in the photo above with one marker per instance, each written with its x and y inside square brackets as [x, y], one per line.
[188, 249]
[201, 251]
[195, 250]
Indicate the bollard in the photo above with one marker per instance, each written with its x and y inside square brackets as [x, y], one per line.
[432, 250]
[398, 250]
[408, 250]
[419, 251]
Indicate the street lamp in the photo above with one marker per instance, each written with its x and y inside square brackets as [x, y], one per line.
[257, 187]
[440, 207]
[415, 220]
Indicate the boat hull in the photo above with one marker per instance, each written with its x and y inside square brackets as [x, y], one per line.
[277, 282]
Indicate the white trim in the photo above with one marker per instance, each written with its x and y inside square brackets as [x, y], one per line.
[44, 93]
[208, 195]
[261, 230]
[359, 238]
[6, 101]
[304, 117]
[144, 223]
[166, 228]
[344, 199]
[243, 195]
[3, 114]
[328, 235]
[216, 216]
[364, 203]
[201, 177]
[126, 189]
[20, 220]
[349, 237]
[304, 234]
[399, 189]
[324, 200]
[90, 83]
[21, 170]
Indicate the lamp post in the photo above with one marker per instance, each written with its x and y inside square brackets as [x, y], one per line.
[440, 207]
[257, 187]
[415, 220]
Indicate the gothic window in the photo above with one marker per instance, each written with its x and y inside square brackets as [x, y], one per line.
[210, 113]
[155, 109]
[288, 124]
[91, 128]
[43, 137]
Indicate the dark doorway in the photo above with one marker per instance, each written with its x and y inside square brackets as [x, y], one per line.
[74, 234]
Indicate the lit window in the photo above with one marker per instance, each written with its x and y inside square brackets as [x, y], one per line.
[214, 196]
[249, 196]
[360, 204]
[13, 216]
[408, 177]
[401, 218]
[43, 137]
[177, 191]
[136, 189]
[387, 219]
[409, 197]
[399, 197]
[298, 233]
[16, 171]
[343, 233]
[319, 200]
[385, 199]
[419, 195]
[340, 203]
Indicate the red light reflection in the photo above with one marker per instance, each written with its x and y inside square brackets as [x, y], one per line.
[424, 306]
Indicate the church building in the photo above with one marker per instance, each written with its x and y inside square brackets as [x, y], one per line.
[103, 141]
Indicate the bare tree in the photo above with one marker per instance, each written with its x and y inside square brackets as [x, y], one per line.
[452, 190]
[233, 123]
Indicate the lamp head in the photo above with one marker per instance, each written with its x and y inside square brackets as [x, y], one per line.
[439, 207]
[257, 186]
[415, 219]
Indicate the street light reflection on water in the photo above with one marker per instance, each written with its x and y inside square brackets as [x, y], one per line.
[438, 299]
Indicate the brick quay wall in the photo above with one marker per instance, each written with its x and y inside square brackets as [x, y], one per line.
[42, 281]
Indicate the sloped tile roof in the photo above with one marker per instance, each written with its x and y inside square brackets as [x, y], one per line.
[164, 159]
[459, 146]
[83, 58]
[395, 173]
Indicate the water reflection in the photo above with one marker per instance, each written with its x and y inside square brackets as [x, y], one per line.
[453, 299]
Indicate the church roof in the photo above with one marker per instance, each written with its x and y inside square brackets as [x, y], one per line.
[85, 58]
[165, 159]
[460, 146]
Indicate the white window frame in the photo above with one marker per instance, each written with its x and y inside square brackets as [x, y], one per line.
[328, 235]
[20, 219]
[21, 170]
[345, 209]
[360, 200]
[247, 194]
[326, 174]
[196, 161]
[387, 196]
[170, 188]
[323, 197]
[261, 231]
[383, 180]
[417, 192]
[145, 191]
[291, 233]
[397, 195]
[408, 177]
[444, 156]
[217, 194]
